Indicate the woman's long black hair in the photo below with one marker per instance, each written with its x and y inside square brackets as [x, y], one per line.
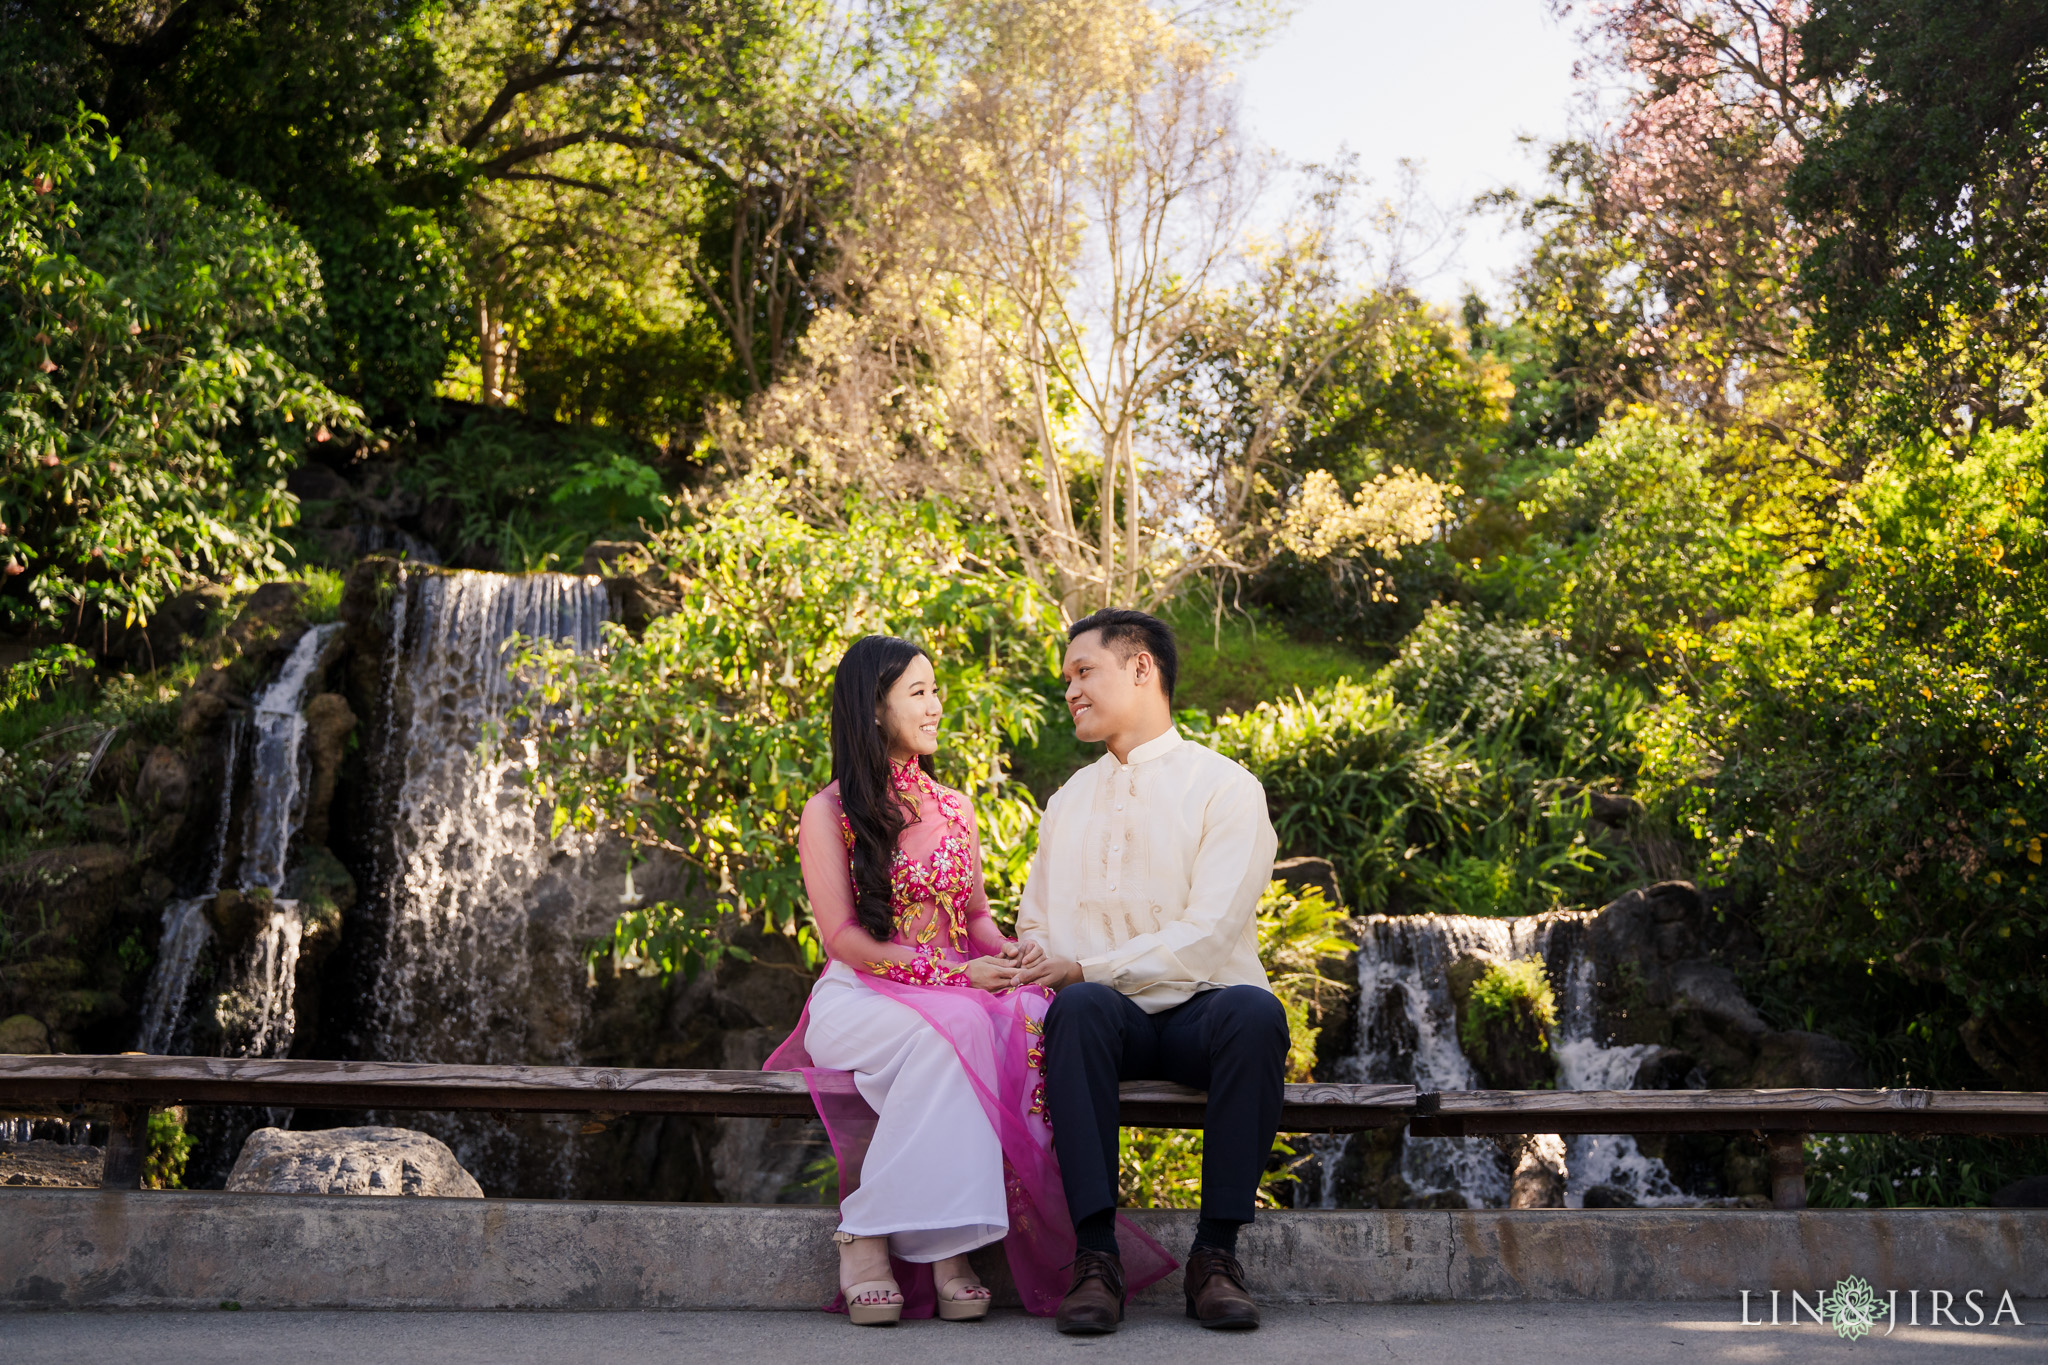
[860, 764]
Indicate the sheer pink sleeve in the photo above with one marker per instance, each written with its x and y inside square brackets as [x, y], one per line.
[828, 881]
[982, 932]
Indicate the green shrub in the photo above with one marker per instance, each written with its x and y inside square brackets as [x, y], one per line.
[1892, 1170]
[1350, 778]
[1506, 1022]
[320, 602]
[163, 1165]
[531, 495]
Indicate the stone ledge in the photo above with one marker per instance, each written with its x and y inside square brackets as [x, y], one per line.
[108, 1249]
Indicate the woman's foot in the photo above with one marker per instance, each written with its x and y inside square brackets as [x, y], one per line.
[872, 1296]
[961, 1294]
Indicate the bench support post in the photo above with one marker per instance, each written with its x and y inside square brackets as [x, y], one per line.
[127, 1145]
[1788, 1170]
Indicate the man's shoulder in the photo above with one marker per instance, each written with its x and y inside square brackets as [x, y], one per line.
[1078, 781]
[1219, 768]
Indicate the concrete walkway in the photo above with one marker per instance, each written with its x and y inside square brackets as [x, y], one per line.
[1468, 1334]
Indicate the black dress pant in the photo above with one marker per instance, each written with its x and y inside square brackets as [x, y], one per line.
[1230, 1042]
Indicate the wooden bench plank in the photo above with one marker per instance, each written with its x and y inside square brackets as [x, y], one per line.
[1471, 1112]
[76, 1080]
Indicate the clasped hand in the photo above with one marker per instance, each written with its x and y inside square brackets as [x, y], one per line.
[1021, 964]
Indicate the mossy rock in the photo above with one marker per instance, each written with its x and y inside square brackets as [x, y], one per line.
[236, 916]
[1504, 1025]
[23, 1035]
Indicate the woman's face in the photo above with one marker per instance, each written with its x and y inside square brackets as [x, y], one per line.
[910, 712]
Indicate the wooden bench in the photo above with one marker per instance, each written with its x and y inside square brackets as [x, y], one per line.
[129, 1086]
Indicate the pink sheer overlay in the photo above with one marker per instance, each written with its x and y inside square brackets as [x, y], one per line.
[943, 920]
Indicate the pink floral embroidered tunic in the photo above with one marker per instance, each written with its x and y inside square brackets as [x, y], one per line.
[942, 914]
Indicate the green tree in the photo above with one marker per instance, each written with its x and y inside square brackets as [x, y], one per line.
[1929, 212]
[1872, 773]
[155, 376]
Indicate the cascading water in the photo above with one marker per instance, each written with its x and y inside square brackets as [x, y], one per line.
[1408, 1034]
[253, 992]
[483, 913]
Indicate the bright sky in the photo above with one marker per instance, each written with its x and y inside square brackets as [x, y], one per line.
[1451, 84]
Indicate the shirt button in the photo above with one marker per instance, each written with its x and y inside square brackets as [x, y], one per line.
[1119, 805]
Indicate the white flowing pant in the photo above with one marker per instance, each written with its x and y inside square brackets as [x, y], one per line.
[933, 1177]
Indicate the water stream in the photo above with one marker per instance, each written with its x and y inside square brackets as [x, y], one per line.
[1408, 1034]
[250, 992]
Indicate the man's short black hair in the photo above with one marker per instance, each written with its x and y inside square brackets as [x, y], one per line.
[1127, 632]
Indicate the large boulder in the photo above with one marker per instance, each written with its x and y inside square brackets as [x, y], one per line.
[24, 1034]
[350, 1161]
[1663, 976]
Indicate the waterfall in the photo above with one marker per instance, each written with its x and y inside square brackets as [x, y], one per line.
[1408, 1034]
[483, 913]
[166, 1000]
[278, 789]
[252, 992]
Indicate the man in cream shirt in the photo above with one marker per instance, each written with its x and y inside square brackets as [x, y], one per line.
[1140, 911]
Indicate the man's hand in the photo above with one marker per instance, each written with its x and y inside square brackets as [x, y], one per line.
[1047, 970]
[1025, 952]
[992, 973]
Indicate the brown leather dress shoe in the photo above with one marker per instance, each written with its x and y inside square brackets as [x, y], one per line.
[1216, 1293]
[1095, 1303]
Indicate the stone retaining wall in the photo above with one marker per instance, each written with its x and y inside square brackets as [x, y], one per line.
[95, 1249]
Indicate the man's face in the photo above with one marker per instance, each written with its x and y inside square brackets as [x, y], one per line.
[1102, 689]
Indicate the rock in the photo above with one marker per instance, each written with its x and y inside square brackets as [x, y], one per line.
[1539, 1177]
[268, 615]
[203, 710]
[2028, 1193]
[236, 915]
[24, 1035]
[328, 724]
[1609, 1197]
[165, 783]
[1796, 1058]
[1664, 1068]
[350, 1161]
[159, 641]
[603, 558]
[1301, 874]
[1612, 810]
[317, 483]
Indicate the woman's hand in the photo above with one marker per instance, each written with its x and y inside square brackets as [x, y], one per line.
[991, 973]
[1026, 953]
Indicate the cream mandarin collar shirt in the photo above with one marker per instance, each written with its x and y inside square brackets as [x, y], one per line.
[1148, 873]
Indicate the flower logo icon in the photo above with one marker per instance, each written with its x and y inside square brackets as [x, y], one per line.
[1852, 1306]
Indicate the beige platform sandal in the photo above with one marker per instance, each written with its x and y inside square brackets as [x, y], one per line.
[870, 1314]
[953, 1308]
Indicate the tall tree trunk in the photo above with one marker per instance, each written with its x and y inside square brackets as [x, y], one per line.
[1105, 516]
[489, 355]
[1131, 523]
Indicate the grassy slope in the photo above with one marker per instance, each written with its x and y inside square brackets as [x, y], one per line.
[1251, 662]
